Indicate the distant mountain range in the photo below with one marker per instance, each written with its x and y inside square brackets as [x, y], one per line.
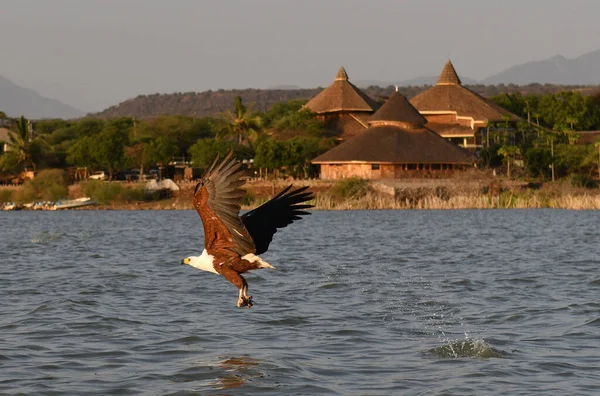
[583, 70]
[558, 70]
[16, 101]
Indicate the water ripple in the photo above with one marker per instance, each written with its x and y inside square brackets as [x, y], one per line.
[380, 302]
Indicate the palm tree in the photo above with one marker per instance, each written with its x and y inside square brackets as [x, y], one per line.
[242, 122]
[19, 146]
[509, 153]
[571, 121]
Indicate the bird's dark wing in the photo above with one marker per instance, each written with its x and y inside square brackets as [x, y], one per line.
[262, 223]
[217, 199]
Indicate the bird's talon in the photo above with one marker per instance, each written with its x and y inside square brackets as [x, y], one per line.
[245, 302]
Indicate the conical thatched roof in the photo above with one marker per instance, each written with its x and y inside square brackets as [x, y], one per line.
[341, 95]
[450, 96]
[397, 109]
[397, 135]
[341, 75]
[449, 76]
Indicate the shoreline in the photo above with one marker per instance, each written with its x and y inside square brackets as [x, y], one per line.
[419, 194]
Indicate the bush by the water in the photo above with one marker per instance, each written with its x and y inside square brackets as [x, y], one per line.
[584, 180]
[6, 196]
[105, 193]
[351, 188]
[48, 185]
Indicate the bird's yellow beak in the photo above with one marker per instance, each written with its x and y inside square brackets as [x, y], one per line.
[185, 261]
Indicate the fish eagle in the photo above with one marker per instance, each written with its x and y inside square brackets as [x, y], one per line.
[232, 242]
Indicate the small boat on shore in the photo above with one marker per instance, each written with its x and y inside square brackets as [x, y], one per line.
[8, 206]
[73, 203]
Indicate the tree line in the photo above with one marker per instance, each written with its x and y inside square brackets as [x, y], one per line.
[286, 137]
[545, 139]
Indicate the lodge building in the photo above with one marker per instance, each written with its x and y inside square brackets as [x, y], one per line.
[342, 107]
[395, 145]
[458, 114]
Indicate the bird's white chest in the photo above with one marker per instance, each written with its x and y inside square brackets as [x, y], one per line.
[204, 262]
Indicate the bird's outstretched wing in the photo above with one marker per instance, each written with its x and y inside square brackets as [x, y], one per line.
[217, 199]
[262, 223]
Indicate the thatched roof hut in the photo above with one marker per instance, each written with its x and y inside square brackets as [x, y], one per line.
[452, 107]
[341, 95]
[396, 144]
[449, 96]
[343, 107]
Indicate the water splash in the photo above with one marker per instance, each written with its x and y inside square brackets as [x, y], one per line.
[469, 348]
[45, 237]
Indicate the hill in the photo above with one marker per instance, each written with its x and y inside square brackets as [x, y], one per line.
[211, 103]
[413, 82]
[16, 101]
[583, 70]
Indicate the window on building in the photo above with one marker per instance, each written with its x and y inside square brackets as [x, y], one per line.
[374, 166]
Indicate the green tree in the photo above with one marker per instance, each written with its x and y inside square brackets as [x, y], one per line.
[137, 156]
[300, 151]
[161, 150]
[83, 154]
[568, 109]
[47, 127]
[23, 150]
[182, 131]
[242, 122]
[270, 154]
[575, 159]
[509, 153]
[109, 147]
[204, 151]
[538, 160]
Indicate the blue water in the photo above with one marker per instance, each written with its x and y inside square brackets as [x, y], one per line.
[466, 302]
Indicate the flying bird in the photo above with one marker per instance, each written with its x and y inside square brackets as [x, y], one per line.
[232, 243]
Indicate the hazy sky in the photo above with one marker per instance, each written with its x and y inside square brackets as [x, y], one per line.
[96, 53]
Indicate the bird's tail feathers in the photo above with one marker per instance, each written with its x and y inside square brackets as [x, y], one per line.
[253, 258]
[264, 264]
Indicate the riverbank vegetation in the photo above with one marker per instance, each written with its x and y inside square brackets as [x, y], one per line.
[477, 191]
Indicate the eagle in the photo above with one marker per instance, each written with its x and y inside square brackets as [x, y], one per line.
[232, 243]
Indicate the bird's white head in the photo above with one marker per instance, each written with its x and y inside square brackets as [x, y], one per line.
[203, 262]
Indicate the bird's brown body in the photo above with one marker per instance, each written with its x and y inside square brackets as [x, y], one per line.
[232, 243]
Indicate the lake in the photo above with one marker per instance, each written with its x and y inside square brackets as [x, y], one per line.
[466, 302]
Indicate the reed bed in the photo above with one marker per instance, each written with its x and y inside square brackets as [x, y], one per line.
[504, 201]
[361, 195]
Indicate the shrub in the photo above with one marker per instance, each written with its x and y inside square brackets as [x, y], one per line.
[583, 180]
[101, 192]
[107, 192]
[136, 193]
[48, 185]
[353, 187]
[6, 195]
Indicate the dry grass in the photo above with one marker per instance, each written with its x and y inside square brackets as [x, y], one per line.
[494, 193]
